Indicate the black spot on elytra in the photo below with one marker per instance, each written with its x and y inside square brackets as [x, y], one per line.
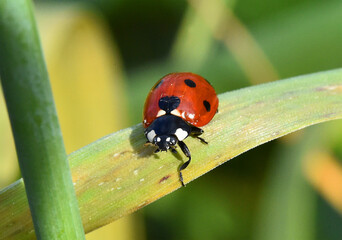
[206, 105]
[158, 84]
[190, 83]
[169, 103]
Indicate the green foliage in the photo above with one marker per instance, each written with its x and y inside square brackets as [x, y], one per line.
[263, 193]
[117, 174]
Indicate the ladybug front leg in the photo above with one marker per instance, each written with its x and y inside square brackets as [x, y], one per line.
[196, 132]
[174, 151]
[186, 151]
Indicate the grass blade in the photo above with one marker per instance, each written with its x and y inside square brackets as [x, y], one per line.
[38, 139]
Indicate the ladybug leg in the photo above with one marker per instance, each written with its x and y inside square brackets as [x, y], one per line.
[202, 140]
[157, 150]
[196, 132]
[186, 151]
[174, 150]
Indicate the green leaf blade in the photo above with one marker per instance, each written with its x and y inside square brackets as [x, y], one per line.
[39, 143]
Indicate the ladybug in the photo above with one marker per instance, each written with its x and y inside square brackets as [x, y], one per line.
[177, 105]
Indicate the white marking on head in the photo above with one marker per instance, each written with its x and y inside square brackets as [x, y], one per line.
[150, 135]
[145, 120]
[161, 113]
[168, 139]
[158, 139]
[176, 112]
[191, 116]
[181, 134]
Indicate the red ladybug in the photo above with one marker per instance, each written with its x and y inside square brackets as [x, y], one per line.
[177, 105]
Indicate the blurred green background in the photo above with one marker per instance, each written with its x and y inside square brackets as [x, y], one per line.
[104, 56]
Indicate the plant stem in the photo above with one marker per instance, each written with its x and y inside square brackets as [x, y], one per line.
[38, 139]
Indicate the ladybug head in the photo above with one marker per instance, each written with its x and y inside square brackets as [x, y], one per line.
[166, 131]
[165, 142]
